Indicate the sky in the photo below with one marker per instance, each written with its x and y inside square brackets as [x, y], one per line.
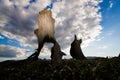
[95, 21]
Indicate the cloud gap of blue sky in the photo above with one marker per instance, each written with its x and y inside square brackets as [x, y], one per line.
[8, 41]
[31, 1]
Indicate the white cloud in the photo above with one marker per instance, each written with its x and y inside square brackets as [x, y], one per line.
[111, 4]
[10, 51]
[20, 3]
[79, 17]
[110, 33]
[103, 47]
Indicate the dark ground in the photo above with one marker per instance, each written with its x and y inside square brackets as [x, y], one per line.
[91, 69]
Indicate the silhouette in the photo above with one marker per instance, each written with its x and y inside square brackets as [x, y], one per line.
[75, 50]
[56, 54]
[45, 31]
[119, 55]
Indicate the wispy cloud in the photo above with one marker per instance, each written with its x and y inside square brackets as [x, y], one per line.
[10, 51]
[103, 47]
[111, 4]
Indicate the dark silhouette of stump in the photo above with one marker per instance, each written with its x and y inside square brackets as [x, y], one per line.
[75, 50]
[56, 54]
[119, 55]
[35, 55]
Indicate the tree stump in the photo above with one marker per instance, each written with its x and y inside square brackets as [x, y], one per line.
[75, 50]
[56, 54]
[45, 31]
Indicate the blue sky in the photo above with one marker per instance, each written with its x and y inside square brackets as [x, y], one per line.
[111, 26]
[19, 19]
[109, 44]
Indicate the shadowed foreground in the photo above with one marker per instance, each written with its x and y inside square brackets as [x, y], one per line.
[94, 69]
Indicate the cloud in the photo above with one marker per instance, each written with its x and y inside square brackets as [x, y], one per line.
[111, 4]
[110, 32]
[1, 37]
[103, 47]
[81, 18]
[18, 19]
[20, 22]
[10, 51]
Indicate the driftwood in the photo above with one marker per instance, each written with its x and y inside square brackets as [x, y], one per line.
[75, 50]
[56, 54]
[45, 31]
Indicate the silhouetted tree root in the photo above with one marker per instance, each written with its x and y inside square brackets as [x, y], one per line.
[56, 54]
